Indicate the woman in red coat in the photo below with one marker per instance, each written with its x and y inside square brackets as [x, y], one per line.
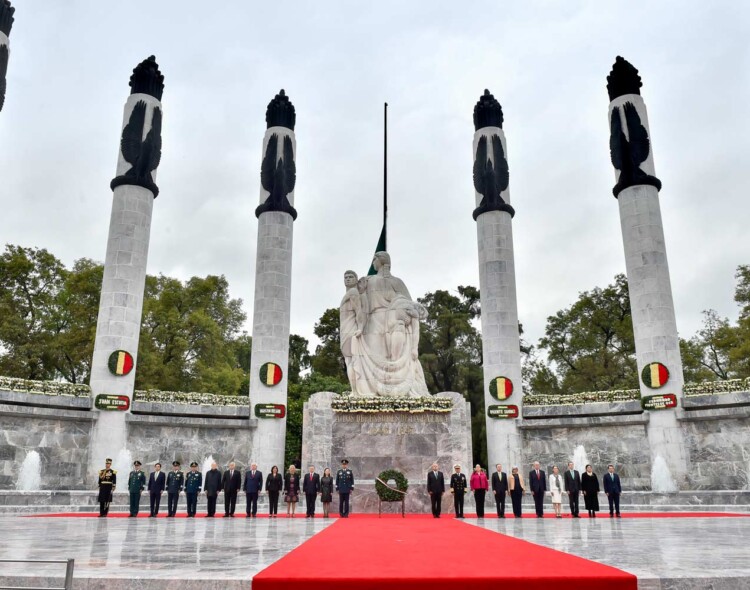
[479, 485]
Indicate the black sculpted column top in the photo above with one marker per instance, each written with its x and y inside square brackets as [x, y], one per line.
[6, 24]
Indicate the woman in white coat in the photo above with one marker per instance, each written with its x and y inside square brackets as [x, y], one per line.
[556, 488]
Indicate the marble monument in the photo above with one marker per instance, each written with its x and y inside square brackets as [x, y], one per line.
[380, 334]
[6, 24]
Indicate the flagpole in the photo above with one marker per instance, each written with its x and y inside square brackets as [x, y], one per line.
[385, 172]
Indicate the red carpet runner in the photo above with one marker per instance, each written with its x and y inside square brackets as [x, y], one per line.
[431, 554]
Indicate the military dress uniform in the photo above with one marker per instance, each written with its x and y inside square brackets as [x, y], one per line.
[107, 484]
[175, 483]
[136, 483]
[193, 485]
[344, 486]
[458, 486]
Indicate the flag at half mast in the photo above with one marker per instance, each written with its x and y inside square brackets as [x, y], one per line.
[381, 247]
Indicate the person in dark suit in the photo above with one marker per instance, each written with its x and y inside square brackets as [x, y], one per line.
[458, 489]
[212, 487]
[436, 489]
[613, 489]
[175, 483]
[231, 482]
[573, 488]
[253, 486]
[500, 489]
[156, 484]
[590, 489]
[344, 486]
[538, 486]
[311, 487]
[274, 485]
[517, 489]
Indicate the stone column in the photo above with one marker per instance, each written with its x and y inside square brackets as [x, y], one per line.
[121, 304]
[273, 284]
[497, 282]
[654, 324]
[6, 24]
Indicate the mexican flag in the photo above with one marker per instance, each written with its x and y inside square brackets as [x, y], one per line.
[501, 388]
[270, 374]
[655, 375]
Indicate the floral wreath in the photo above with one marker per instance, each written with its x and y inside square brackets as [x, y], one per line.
[385, 492]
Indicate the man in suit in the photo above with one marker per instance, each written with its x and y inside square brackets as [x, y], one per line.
[538, 485]
[311, 487]
[231, 482]
[613, 489]
[193, 485]
[136, 483]
[573, 487]
[458, 489]
[344, 486]
[253, 486]
[436, 489]
[212, 487]
[156, 484]
[500, 489]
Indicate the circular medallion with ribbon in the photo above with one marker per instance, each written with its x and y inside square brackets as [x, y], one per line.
[270, 374]
[501, 388]
[655, 375]
[120, 362]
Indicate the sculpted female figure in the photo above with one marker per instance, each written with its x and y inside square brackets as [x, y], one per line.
[380, 334]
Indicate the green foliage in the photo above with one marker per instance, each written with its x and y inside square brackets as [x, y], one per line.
[299, 357]
[328, 359]
[386, 494]
[591, 343]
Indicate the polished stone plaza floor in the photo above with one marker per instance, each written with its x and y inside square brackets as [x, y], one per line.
[119, 553]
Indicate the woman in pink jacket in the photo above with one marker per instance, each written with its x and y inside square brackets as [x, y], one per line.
[479, 485]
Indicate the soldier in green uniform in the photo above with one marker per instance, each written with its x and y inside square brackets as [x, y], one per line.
[175, 483]
[136, 483]
[344, 486]
[458, 489]
[107, 484]
[193, 485]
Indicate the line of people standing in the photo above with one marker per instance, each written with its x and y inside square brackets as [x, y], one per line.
[230, 483]
[571, 484]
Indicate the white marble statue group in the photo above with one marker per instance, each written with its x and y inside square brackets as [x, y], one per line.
[380, 334]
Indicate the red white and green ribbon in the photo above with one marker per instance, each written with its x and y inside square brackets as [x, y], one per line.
[501, 388]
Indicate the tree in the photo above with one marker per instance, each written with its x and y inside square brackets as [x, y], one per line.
[299, 357]
[31, 281]
[328, 359]
[591, 343]
[739, 355]
[706, 355]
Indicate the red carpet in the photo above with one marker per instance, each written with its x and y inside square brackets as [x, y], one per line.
[602, 516]
[431, 554]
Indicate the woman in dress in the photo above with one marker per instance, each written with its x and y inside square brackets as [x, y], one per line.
[291, 490]
[326, 491]
[590, 489]
[556, 491]
[516, 489]
[479, 484]
[274, 483]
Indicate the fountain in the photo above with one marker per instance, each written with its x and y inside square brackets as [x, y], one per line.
[580, 458]
[123, 462]
[661, 477]
[30, 475]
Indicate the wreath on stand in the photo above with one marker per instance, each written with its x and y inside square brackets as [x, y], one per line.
[385, 493]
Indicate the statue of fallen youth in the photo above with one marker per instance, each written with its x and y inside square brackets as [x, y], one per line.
[380, 334]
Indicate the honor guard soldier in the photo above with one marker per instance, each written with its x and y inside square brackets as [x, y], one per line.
[136, 483]
[193, 485]
[107, 484]
[458, 489]
[344, 486]
[175, 483]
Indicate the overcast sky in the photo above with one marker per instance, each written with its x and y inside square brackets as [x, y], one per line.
[546, 62]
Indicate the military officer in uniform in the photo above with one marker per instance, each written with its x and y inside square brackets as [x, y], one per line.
[193, 485]
[458, 489]
[344, 486]
[136, 483]
[107, 484]
[175, 483]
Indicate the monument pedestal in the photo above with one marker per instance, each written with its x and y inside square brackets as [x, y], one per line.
[374, 442]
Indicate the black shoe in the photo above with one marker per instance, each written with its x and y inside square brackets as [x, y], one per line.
[618, 516]
[226, 516]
